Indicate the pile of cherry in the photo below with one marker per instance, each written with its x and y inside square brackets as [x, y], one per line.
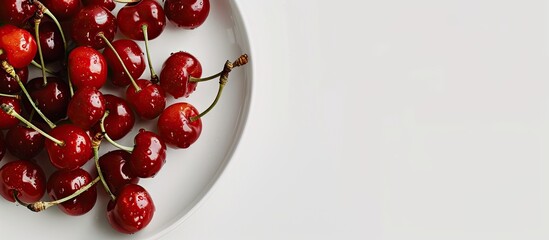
[65, 112]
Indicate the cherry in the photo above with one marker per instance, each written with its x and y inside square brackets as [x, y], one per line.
[176, 73]
[24, 179]
[52, 99]
[87, 67]
[8, 84]
[116, 171]
[63, 9]
[51, 42]
[63, 183]
[120, 120]
[91, 21]
[16, 12]
[86, 107]
[148, 101]
[133, 58]
[24, 142]
[7, 121]
[2, 146]
[73, 149]
[188, 14]
[148, 155]
[108, 4]
[132, 210]
[175, 125]
[133, 16]
[17, 46]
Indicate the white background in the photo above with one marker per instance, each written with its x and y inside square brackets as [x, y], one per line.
[388, 120]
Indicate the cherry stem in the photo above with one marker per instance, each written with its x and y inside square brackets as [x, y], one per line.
[223, 79]
[37, 21]
[10, 111]
[48, 13]
[11, 71]
[154, 77]
[127, 1]
[109, 139]
[34, 63]
[18, 200]
[10, 96]
[41, 206]
[96, 158]
[137, 88]
[193, 79]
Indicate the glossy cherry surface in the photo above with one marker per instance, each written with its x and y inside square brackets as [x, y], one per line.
[23, 177]
[16, 12]
[175, 126]
[18, 45]
[63, 183]
[8, 121]
[149, 102]
[176, 72]
[86, 107]
[75, 151]
[9, 85]
[24, 142]
[132, 56]
[63, 9]
[134, 15]
[115, 169]
[132, 210]
[51, 42]
[87, 67]
[91, 21]
[187, 14]
[2, 146]
[52, 99]
[108, 4]
[148, 155]
[120, 120]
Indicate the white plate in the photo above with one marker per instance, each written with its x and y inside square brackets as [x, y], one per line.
[189, 174]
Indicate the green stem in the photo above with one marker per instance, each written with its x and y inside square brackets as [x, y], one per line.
[50, 14]
[102, 125]
[193, 79]
[219, 91]
[34, 63]
[40, 54]
[137, 88]
[154, 77]
[96, 158]
[10, 111]
[71, 88]
[10, 96]
[40, 206]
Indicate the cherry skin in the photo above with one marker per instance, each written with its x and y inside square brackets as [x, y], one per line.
[115, 169]
[134, 15]
[9, 85]
[91, 21]
[2, 146]
[87, 67]
[108, 4]
[18, 45]
[24, 142]
[132, 56]
[86, 107]
[176, 73]
[120, 120]
[63, 183]
[63, 9]
[188, 14]
[148, 155]
[52, 99]
[51, 42]
[7, 121]
[132, 210]
[16, 12]
[24, 178]
[75, 151]
[175, 126]
[149, 102]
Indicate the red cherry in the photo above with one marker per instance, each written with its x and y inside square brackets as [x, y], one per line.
[116, 170]
[75, 151]
[2, 146]
[8, 121]
[16, 12]
[52, 99]
[51, 42]
[63, 183]
[188, 14]
[120, 120]
[24, 142]
[108, 4]
[9, 85]
[175, 125]
[86, 107]
[149, 102]
[63, 9]
[18, 46]
[87, 67]
[132, 210]
[91, 21]
[133, 16]
[133, 58]
[24, 178]
[176, 73]
[148, 155]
